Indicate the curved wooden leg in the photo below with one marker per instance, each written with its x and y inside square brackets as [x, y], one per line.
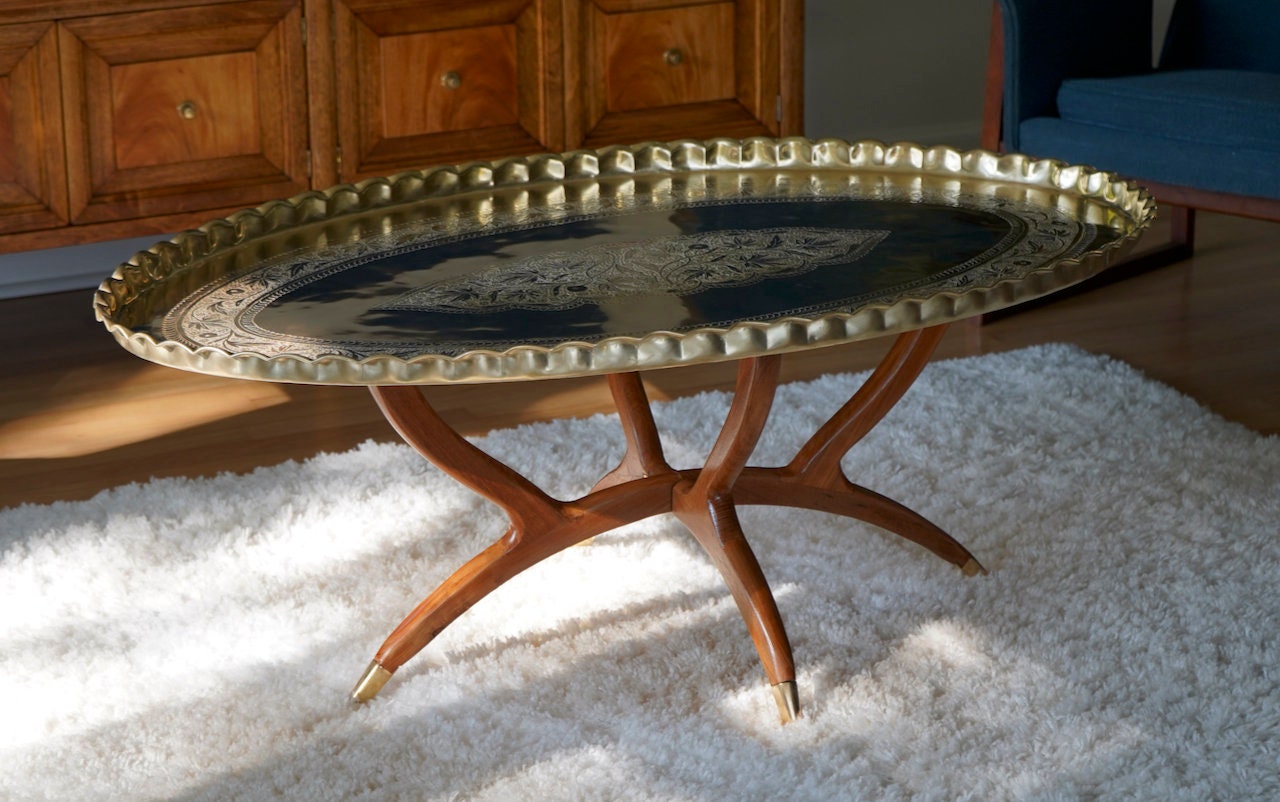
[540, 525]
[421, 427]
[515, 552]
[767, 486]
[818, 460]
[643, 456]
[815, 480]
[705, 505]
[714, 524]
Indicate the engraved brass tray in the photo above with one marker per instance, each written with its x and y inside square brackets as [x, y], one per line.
[626, 258]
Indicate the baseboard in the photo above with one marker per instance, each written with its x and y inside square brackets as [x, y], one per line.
[77, 267]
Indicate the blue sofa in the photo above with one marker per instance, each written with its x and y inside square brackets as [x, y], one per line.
[1074, 80]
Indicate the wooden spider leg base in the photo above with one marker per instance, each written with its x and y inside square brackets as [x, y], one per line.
[643, 484]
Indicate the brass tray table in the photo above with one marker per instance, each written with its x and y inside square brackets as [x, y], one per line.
[614, 262]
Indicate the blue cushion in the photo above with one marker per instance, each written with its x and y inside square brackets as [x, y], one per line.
[1148, 156]
[1220, 107]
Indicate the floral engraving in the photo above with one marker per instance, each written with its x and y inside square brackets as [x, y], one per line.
[679, 264]
[224, 314]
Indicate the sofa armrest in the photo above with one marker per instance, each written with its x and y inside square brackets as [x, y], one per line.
[1224, 35]
[1046, 41]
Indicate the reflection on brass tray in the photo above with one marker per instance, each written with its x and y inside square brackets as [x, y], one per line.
[681, 265]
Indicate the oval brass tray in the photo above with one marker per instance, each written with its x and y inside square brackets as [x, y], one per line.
[625, 258]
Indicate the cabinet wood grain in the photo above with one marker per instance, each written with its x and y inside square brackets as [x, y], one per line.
[668, 57]
[33, 192]
[433, 83]
[676, 69]
[124, 118]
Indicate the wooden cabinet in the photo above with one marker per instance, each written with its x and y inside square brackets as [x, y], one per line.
[131, 117]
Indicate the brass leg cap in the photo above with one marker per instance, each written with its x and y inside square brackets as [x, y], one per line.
[973, 568]
[788, 699]
[374, 677]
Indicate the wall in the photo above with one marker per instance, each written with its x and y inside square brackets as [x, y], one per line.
[901, 70]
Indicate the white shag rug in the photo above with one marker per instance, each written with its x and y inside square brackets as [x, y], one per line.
[196, 640]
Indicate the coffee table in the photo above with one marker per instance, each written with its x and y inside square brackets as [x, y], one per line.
[614, 262]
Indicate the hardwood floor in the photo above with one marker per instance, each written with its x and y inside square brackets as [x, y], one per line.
[78, 414]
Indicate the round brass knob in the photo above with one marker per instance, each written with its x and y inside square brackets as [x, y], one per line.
[674, 56]
[187, 110]
[451, 80]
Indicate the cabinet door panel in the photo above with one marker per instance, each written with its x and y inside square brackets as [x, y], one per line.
[32, 179]
[176, 111]
[145, 97]
[671, 69]
[669, 57]
[422, 83]
[440, 75]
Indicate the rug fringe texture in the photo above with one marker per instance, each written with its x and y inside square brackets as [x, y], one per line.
[196, 639]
